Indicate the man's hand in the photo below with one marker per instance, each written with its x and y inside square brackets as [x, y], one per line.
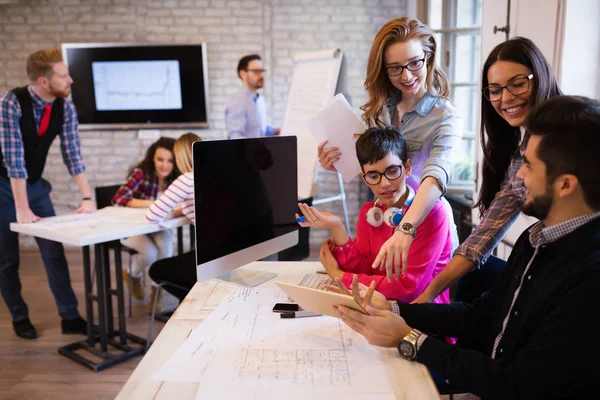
[393, 255]
[276, 131]
[328, 156]
[379, 327]
[316, 219]
[365, 296]
[329, 261]
[87, 206]
[26, 216]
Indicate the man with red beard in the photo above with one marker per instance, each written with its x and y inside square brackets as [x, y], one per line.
[31, 117]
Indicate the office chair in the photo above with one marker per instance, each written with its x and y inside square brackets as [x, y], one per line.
[104, 195]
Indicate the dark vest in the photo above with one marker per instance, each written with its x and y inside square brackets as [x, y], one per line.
[35, 147]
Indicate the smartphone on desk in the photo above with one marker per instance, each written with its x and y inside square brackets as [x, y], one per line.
[286, 307]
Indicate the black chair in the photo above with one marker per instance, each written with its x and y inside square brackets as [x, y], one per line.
[104, 196]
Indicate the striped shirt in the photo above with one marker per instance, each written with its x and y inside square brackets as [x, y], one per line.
[181, 191]
[11, 139]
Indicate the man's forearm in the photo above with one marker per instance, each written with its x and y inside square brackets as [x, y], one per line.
[19, 189]
[84, 185]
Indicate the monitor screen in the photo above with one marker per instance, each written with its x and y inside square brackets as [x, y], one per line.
[246, 198]
[138, 86]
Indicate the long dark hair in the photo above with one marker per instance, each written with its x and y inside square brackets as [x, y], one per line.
[147, 164]
[498, 139]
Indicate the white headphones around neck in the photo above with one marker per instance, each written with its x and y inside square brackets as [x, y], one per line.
[393, 215]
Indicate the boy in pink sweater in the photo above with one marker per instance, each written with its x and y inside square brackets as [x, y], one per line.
[383, 156]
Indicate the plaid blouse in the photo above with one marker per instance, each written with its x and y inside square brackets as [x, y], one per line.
[140, 187]
[501, 214]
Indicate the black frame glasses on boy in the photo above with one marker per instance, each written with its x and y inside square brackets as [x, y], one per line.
[395, 70]
[517, 86]
[391, 173]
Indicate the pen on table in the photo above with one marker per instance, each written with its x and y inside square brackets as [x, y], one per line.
[300, 219]
[298, 314]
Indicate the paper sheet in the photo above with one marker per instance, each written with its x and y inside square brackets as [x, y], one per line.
[339, 124]
[244, 350]
[106, 215]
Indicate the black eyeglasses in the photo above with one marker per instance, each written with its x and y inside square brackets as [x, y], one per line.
[517, 86]
[394, 70]
[257, 71]
[392, 173]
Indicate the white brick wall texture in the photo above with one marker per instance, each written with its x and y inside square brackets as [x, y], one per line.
[276, 29]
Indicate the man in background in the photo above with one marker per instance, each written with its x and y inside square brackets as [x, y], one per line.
[31, 117]
[246, 112]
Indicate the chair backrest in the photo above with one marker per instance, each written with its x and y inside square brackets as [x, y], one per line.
[105, 194]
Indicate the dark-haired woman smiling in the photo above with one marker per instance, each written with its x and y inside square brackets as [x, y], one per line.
[516, 76]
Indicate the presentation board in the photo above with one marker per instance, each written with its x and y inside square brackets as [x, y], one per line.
[313, 86]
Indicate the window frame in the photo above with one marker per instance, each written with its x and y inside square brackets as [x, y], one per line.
[447, 50]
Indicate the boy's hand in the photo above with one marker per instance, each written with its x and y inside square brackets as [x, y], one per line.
[328, 260]
[317, 219]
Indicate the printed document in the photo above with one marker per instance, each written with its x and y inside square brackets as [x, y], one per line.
[339, 124]
[244, 350]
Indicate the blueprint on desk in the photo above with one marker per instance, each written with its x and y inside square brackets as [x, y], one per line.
[244, 350]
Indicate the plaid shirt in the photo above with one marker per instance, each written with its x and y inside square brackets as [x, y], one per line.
[11, 140]
[501, 214]
[138, 186]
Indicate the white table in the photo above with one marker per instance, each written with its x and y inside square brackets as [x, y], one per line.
[410, 380]
[104, 227]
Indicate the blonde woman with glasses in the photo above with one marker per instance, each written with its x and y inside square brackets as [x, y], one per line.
[408, 90]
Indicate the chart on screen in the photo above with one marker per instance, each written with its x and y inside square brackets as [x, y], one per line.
[137, 85]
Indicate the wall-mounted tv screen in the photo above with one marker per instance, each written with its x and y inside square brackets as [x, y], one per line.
[132, 86]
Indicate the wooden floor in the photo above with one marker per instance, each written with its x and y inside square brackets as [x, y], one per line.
[33, 369]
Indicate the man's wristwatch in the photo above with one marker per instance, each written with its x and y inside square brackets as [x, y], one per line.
[408, 228]
[408, 346]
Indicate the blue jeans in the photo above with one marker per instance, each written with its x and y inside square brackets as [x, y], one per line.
[53, 254]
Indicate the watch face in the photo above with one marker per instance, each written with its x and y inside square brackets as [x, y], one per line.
[407, 350]
[407, 226]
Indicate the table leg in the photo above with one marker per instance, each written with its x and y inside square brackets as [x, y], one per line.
[108, 291]
[101, 288]
[128, 345]
[180, 240]
[89, 294]
[120, 294]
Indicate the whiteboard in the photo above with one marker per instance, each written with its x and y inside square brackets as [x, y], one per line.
[313, 86]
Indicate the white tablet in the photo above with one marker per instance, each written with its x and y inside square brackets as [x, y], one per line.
[319, 301]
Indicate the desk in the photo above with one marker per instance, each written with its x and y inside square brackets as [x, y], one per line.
[105, 226]
[410, 380]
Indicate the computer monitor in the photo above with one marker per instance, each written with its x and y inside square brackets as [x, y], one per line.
[246, 195]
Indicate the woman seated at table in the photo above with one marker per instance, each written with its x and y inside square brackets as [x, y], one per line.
[148, 180]
[177, 200]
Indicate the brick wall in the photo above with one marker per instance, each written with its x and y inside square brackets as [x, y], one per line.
[276, 29]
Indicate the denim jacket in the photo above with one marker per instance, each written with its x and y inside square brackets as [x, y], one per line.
[432, 130]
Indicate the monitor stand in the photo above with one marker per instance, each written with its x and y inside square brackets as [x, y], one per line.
[246, 277]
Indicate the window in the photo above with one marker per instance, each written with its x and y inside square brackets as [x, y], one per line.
[457, 26]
